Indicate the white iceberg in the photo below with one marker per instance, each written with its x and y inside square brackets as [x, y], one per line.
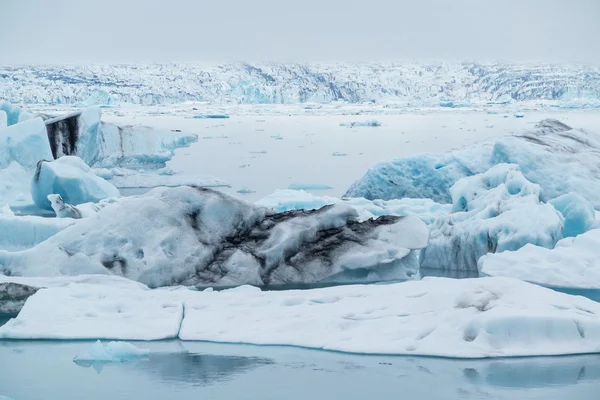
[463, 318]
[573, 263]
[96, 311]
[111, 352]
[553, 155]
[196, 236]
[493, 212]
[72, 179]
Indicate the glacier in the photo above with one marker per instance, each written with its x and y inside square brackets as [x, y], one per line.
[440, 84]
[463, 318]
[495, 211]
[72, 179]
[196, 236]
[573, 263]
[553, 155]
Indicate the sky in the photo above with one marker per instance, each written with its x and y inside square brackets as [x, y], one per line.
[129, 31]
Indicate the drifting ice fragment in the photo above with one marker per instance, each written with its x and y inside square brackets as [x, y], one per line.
[111, 352]
[309, 186]
[25, 143]
[211, 116]
[372, 123]
[72, 179]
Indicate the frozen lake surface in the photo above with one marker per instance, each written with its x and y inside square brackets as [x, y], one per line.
[184, 370]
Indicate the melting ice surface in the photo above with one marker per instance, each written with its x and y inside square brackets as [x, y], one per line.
[184, 370]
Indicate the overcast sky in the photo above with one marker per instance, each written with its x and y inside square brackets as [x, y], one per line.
[122, 31]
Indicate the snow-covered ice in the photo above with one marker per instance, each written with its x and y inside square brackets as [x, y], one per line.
[573, 263]
[198, 236]
[553, 155]
[72, 179]
[91, 311]
[111, 352]
[495, 211]
[469, 318]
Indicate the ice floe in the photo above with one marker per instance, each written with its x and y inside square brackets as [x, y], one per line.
[469, 318]
[573, 263]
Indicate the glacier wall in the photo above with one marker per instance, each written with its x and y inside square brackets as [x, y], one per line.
[441, 84]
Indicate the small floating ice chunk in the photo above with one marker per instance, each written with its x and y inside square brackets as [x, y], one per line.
[111, 352]
[72, 179]
[361, 123]
[338, 154]
[211, 116]
[309, 186]
[246, 191]
[277, 137]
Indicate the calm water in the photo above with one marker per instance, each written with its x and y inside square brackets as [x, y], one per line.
[185, 370]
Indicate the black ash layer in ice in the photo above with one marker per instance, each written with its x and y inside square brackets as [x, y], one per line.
[197, 236]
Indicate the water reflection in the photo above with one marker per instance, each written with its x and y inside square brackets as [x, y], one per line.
[191, 370]
[535, 372]
[194, 369]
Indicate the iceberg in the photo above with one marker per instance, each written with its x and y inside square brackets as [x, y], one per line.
[69, 133]
[427, 210]
[492, 212]
[111, 352]
[553, 155]
[23, 232]
[3, 119]
[132, 146]
[15, 290]
[12, 112]
[573, 263]
[72, 179]
[25, 143]
[579, 214]
[15, 182]
[13, 297]
[196, 236]
[462, 318]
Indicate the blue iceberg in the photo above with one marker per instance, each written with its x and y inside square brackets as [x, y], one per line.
[553, 155]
